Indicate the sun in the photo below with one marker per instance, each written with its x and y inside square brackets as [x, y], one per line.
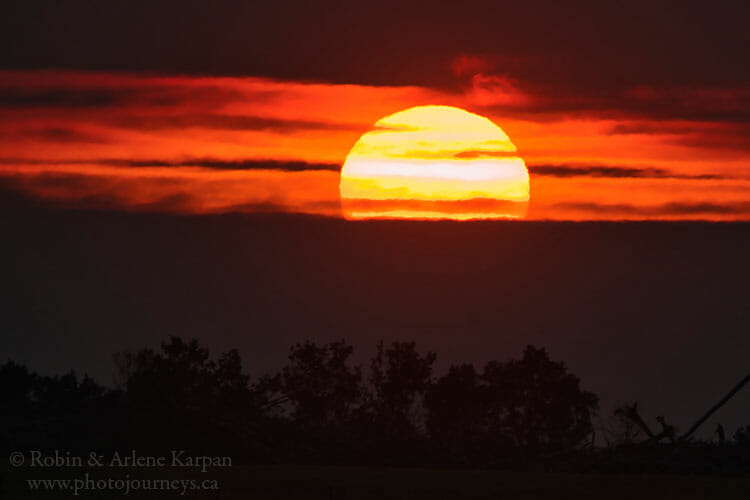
[434, 162]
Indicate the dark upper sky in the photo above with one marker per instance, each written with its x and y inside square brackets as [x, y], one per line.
[583, 46]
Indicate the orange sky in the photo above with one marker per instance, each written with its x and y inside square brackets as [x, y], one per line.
[212, 145]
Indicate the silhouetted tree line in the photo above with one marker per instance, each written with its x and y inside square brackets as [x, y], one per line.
[323, 407]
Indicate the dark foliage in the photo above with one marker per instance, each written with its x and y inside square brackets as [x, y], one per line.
[399, 378]
[537, 404]
[533, 406]
[318, 388]
[180, 395]
[458, 414]
[40, 412]
[321, 406]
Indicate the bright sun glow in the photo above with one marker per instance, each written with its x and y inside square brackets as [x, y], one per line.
[434, 162]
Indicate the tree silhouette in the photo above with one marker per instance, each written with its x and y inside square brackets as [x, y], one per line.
[457, 412]
[62, 411]
[319, 384]
[318, 407]
[537, 403]
[16, 387]
[399, 378]
[173, 394]
[174, 380]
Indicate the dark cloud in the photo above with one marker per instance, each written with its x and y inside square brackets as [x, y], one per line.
[60, 190]
[666, 209]
[298, 165]
[488, 208]
[214, 163]
[482, 153]
[461, 155]
[156, 107]
[738, 141]
[219, 164]
[62, 135]
[84, 190]
[612, 171]
[164, 106]
[59, 98]
[724, 136]
[649, 129]
[83, 193]
[74, 191]
[278, 207]
[548, 102]
[221, 122]
[392, 128]
[706, 208]
[114, 94]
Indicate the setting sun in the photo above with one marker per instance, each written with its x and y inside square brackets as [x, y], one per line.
[434, 162]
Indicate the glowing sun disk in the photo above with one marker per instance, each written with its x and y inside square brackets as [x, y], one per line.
[439, 154]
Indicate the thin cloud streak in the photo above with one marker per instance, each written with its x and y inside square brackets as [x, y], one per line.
[208, 163]
[666, 209]
[613, 171]
[217, 121]
[76, 95]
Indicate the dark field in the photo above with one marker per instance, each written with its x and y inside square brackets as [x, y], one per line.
[361, 483]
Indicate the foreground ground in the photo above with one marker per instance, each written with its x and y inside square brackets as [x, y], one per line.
[343, 482]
